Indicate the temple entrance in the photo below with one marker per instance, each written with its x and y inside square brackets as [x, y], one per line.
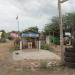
[32, 43]
[30, 40]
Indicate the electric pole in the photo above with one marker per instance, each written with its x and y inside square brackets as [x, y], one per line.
[61, 29]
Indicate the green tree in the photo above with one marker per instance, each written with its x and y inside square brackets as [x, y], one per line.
[3, 36]
[52, 27]
[31, 29]
[68, 24]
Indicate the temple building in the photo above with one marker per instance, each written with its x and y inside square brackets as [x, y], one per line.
[30, 39]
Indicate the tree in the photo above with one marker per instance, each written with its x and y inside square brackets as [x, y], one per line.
[3, 36]
[68, 24]
[31, 29]
[52, 27]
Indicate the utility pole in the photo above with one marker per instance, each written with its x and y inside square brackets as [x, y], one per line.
[17, 23]
[61, 29]
[18, 26]
[20, 47]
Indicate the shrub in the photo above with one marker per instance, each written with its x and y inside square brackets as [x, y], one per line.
[17, 47]
[52, 66]
[43, 65]
[45, 47]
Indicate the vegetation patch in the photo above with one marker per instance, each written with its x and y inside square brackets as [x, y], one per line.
[45, 47]
[13, 49]
[51, 66]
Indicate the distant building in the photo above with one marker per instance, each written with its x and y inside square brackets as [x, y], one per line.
[14, 35]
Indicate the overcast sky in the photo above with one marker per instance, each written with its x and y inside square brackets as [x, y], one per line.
[30, 12]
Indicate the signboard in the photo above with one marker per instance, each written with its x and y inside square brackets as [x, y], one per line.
[34, 35]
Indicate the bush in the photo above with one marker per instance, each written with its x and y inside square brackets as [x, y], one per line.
[45, 47]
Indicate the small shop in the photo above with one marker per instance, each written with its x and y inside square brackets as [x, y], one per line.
[30, 40]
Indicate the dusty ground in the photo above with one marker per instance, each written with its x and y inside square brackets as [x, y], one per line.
[9, 67]
[35, 55]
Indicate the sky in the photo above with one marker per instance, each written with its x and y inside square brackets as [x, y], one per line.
[30, 13]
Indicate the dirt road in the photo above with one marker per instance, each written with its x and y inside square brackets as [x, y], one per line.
[7, 65]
